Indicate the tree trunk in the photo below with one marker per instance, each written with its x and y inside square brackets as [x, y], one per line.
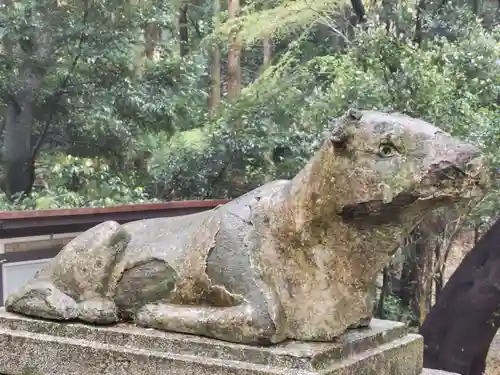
[439, 276]
[17, 153]
[384, 292]
[233, 61]
[387, 15]
[152, 34]
[267, 52]
[460, 327]
[426, 274]
[359, 9]
[419, 22]
[407, 287]
[215, 92]
[476, 6]
[417, 274]
[183, 31]
[19, 167]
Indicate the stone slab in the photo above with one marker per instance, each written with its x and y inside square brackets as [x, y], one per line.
[39, 347]
[429, 371]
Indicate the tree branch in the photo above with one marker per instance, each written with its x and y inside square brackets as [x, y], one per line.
[60, 90]
[196, 26]
[3, 124]
[218, 177]
[329, 24]
[419, 23]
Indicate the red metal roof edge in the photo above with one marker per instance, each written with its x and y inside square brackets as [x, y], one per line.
[12, 215]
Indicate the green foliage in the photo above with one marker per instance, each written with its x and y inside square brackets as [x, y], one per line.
[279, 20]
[71, 182]
[93, 87]
[455, 84]
[394, 310]
[168, 96]
[120, 107]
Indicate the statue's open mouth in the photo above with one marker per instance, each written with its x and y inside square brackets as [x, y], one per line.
[379, 212]
[377, 208]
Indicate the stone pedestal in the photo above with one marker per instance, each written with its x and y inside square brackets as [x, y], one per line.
[37, 347]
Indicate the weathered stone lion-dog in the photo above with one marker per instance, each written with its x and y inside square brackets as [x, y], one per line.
[292, 259]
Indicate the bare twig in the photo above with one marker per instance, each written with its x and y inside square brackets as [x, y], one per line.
[328, 23]
[449, 237]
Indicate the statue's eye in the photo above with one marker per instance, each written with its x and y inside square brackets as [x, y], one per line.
[386, 149]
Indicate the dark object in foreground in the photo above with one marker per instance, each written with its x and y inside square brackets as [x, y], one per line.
[460, 327]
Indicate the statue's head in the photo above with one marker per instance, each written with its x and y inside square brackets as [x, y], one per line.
[391, 162]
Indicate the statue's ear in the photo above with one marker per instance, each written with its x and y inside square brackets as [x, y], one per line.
[354, 114]
[337, 134]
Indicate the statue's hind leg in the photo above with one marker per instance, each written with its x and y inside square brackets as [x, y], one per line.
[76, 283]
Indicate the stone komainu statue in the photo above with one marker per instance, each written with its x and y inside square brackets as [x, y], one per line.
[292, 259]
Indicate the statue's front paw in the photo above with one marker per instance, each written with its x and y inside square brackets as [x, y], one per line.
[42, 300]
[362, 323]
[98, 311]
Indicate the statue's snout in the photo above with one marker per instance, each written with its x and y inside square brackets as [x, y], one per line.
[465, 169]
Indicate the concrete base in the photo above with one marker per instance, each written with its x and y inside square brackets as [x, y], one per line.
[38, 347]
